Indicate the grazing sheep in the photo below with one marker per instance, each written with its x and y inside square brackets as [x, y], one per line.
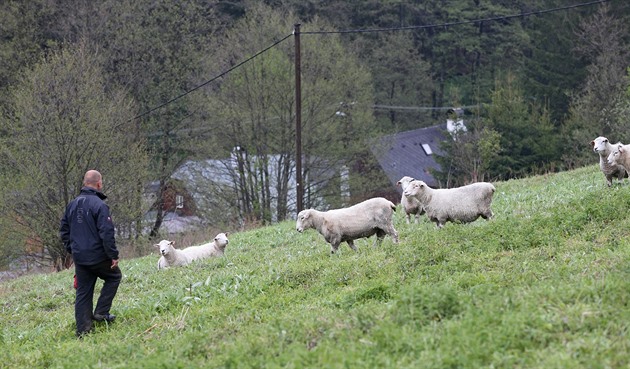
[174, 257]
[620, 155]
[372, 216]
[410, 205]
[604, 148]
[462, 204]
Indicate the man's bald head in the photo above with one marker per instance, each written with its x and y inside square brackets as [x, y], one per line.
[92, 178]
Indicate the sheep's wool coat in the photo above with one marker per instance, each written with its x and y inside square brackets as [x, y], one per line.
[604, 148]
[462, 204]
[373, 216]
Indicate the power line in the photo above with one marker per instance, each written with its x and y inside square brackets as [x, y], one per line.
[443, 25]
[212, 79]
[450, 24]
[420, 108]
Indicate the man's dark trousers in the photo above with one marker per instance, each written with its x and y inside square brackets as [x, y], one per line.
[86, 278]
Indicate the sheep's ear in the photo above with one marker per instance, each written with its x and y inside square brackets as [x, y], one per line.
[156, 245]
[593, 143]
[306, 214]
[398, 183]
[227, 234]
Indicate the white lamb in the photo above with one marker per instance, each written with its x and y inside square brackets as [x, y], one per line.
[462, 204]
[175, 257]
[620, 155]
[372, 216]
[604, 149]
[410, 205]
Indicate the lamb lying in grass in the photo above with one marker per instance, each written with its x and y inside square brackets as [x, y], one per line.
[373, 216]
[175, 257]
[462, 204]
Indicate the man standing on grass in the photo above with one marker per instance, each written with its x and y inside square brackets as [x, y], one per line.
[87, 232]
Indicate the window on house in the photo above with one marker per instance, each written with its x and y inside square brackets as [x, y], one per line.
[179, 201]
[427, 149]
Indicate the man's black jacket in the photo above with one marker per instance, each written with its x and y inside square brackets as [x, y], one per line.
[87, 230]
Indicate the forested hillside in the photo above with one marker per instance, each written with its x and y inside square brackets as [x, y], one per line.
[140, 88]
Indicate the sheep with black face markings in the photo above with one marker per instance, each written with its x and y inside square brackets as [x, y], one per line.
[175, 257]
[604, 149]
[461, 204]
[372, 216]
[411, 206]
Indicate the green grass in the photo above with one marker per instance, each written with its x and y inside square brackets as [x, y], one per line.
[545, 284]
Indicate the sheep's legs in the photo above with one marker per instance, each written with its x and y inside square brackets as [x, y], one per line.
[351, 244]
[390, 230]
[380, 234]
[488, 215]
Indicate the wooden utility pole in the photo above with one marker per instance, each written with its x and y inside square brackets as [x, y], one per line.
[298, 120]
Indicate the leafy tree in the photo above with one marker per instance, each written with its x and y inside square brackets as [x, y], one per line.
[470, 154]
[65, 121]
[529, 141]
[509, 138]
[158, 50]
[255, 113]
[551, 68]
[402, 79]
[22, 37]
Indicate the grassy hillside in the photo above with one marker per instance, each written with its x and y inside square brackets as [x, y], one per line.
[546, 284]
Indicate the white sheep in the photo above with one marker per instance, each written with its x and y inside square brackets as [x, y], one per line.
[372, 216]
[170, 255]
[604, 148]
[461, 204]
[175, 257]
[410, 205]
[620, 155]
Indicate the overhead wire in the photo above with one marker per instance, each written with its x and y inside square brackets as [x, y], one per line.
[374, 30]
[450, 24]
[213, 78]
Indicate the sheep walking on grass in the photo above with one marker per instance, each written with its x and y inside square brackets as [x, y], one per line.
[373, 216]
[411, 206]
[462, 204]
[175, 257]
[604, 148]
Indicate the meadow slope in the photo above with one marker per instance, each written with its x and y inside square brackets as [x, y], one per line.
[545, 284]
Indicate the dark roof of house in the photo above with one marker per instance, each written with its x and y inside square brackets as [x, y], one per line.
[402, 154]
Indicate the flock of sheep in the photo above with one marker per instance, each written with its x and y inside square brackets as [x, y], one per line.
[375, 216]
[614, 159]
